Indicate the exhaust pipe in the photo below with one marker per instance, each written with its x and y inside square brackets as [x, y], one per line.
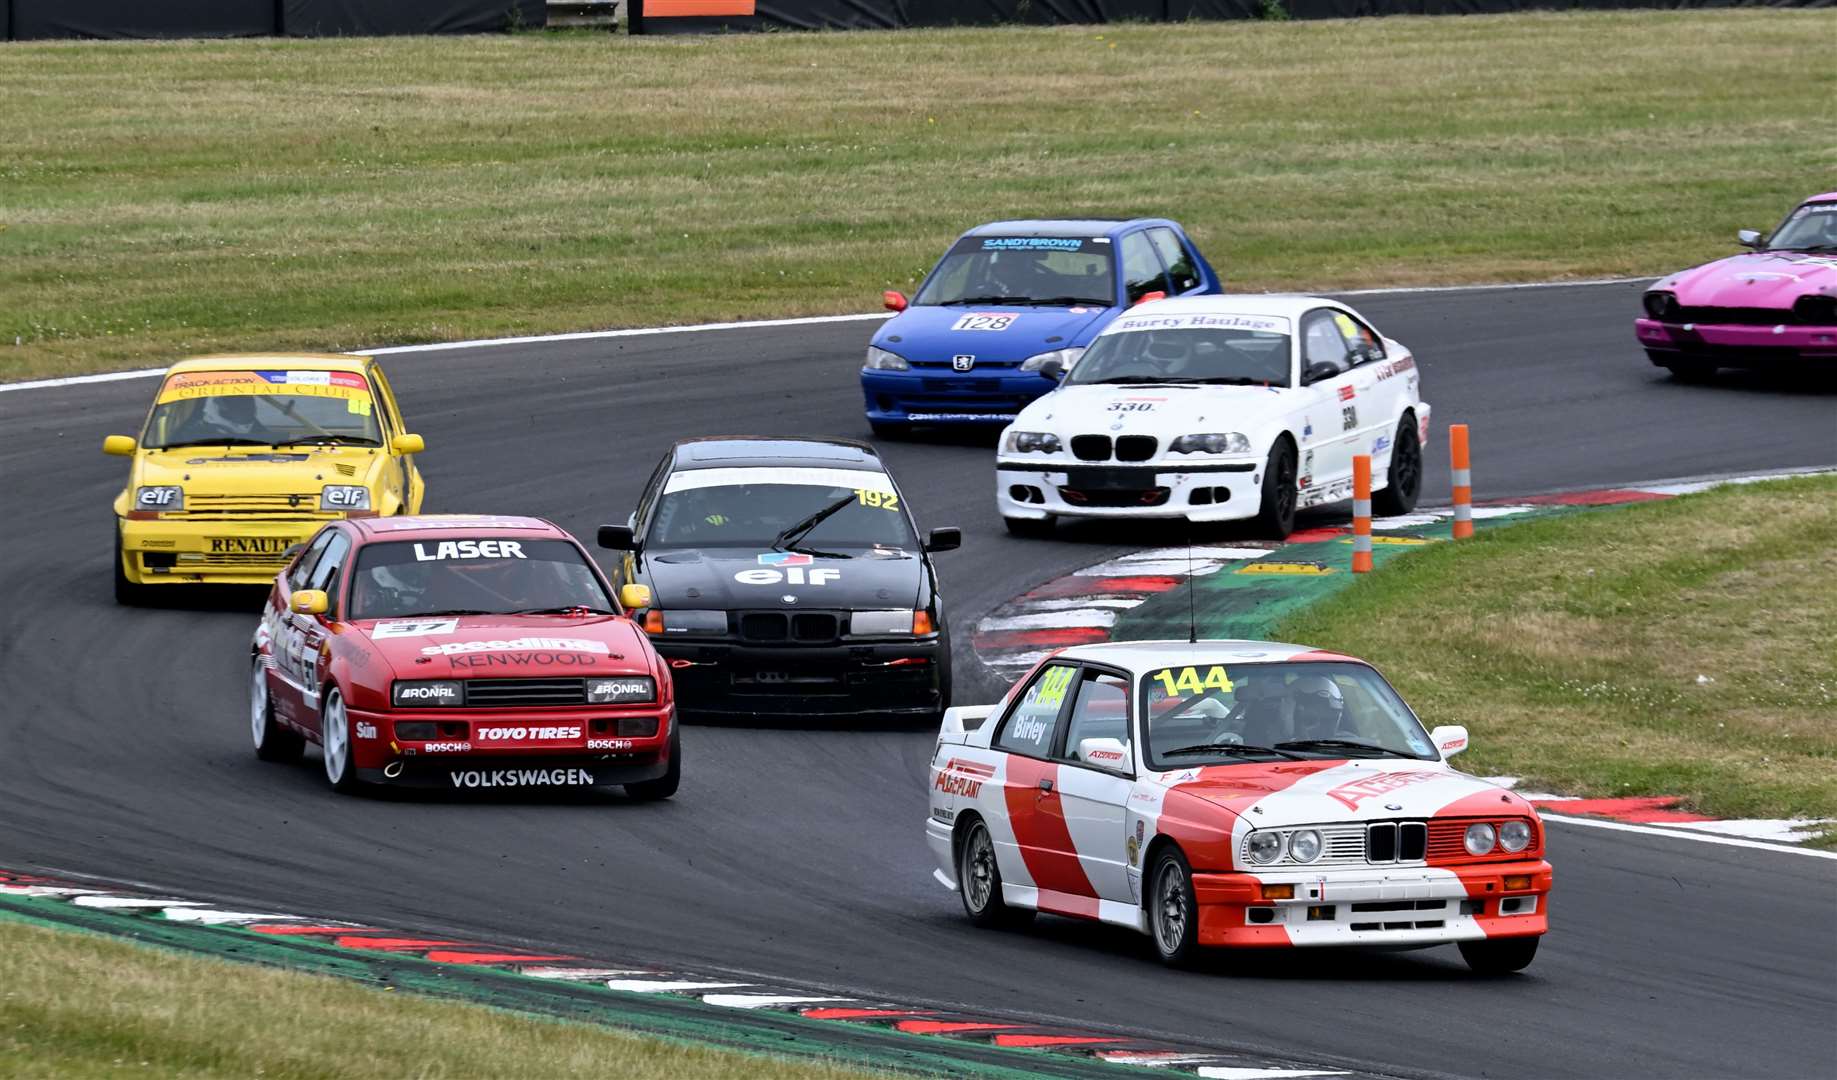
[392, 770]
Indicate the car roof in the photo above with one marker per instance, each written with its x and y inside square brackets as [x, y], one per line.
[274, 362]
[454, 527]
[1283, 305]
[1821, 198]
[1064, 226]
[1139, 656]
[766, 451]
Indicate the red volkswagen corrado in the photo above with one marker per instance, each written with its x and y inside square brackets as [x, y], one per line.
[460, 652]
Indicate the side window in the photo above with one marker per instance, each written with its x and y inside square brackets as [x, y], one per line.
[325, 574]
[1321, 343]
[651, 487]
[1175, 257]
[1030, 728]
[1101, 711]
[384, 414]
[303, 566]
[1141, 268]
[1362, 344]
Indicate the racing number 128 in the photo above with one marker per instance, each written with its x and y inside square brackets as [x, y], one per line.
[886, 500]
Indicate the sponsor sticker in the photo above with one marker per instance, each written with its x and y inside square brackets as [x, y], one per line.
[347, 385]
[401, 628]
[1370, 787]
[366, 730]
[1259, 323]
[522, 644]
[963, 778]
[993, 321]
[446, 747]
[794, 575]
[1347, 393]
[939, 417]
[1032, 243]
[786, 558]
[469, 549]
[525, 734]
[609, 744]
[250, 545]
[496, 778]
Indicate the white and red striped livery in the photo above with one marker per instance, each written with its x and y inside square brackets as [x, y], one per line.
[1232, 793]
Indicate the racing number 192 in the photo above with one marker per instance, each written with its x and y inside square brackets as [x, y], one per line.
[886, 500]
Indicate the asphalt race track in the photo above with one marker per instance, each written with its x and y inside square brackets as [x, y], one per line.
[800, 852]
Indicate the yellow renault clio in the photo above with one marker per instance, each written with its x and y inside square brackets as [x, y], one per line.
[242, 457]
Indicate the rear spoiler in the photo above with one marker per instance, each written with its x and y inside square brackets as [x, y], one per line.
[960, 721]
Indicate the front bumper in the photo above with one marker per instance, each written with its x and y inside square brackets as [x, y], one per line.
[731, 679]
[1367, 906]
[1226, 489]
[473, 744]
[942, 396]
[175, 550]
[1736, 346]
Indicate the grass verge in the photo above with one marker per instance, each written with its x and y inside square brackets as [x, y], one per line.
[82, 1005]
[1685, 647]
[158, 199]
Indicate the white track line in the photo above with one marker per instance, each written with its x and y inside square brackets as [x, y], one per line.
[1680, 834]
[695, 328]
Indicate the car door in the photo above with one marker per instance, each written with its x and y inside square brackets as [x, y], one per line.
[1142, 271]
[1182, 272]
[401, 475]
[306, 634]
[1039, 850]
[1381, 395]
[1095, 778]
[277, 626]
[1332, 408]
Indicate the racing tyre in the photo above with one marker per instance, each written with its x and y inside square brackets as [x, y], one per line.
[127, 593]
[979, 882]
[1404, 477]
[1173, 914]
[1276, 519]
[1035, 528]
[272, 741]
[664, 786]
[885, 429]
[335, 742]
[1499, 956]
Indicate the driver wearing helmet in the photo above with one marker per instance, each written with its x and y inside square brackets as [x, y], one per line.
[1263, 706]
[1319, 707]
[229, 416]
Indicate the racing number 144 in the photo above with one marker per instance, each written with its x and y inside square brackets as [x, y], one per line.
[1188, 680]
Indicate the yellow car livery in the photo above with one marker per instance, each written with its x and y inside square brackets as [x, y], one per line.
[242, 457]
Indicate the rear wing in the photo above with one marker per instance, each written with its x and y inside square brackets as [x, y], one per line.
[960, 721]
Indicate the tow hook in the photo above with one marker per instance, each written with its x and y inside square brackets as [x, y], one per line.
[392, 770]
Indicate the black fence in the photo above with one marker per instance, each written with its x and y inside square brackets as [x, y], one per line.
[22, 20]
[710, 16]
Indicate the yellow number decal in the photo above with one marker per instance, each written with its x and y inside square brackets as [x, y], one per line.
[358, 406]
[1188, 680]
[886, 500]
[1053, 686]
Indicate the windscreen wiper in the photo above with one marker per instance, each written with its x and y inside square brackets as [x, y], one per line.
[350, 440]
[1068, 301]
[1343, 744]
[448, 611]
[1232, 748]
[985, 300]
[563, 609]
[785, 540]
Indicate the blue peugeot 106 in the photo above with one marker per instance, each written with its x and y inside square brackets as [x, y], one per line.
[1009, 308]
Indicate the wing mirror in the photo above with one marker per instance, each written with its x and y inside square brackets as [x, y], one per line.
[893, 300]
[632, 597]
[1104, 753]
[1318, 370]
[1053, 370]
[408, 444]
[1748, 238]
[949, 539]
[1150, 296]
[1450, 739]
[119, 445]
[309, 602]
[618, 538]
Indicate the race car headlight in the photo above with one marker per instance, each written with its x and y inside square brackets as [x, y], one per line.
[428, 694]
[1229, 442]
[621, 691]
[1515, 836]
[1065, 357]
[1304, 846]
[1030, 442]
[344, 497]
[1264, 847]
[686, 622]
[882, 360]
[1661, 305]
[1479, 838]
[161, 498]
[894, 621]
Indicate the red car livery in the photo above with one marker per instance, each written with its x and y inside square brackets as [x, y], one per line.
[1240, 794]
[463, 653]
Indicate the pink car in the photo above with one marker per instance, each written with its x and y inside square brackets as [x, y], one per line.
[1775, 304]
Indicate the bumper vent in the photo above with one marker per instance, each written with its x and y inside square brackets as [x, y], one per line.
[1396, 841]
[507, 693]
[1135, 447]
[802, 627]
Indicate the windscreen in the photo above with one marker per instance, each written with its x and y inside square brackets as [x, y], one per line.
[1063, 271]
[1812, 227]
[472, 576]
[816, 511]
[1224, 350]
[1208, 714]
[262, 408]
